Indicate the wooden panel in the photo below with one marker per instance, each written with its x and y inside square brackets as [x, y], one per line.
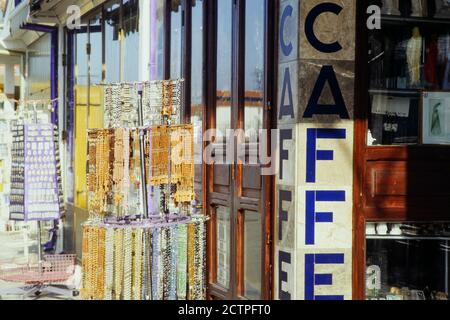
[222, 175]
[410, 153]
[407, 185]
[251, 177]
[252, 204]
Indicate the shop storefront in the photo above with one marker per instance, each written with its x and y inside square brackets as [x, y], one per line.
[401, 174]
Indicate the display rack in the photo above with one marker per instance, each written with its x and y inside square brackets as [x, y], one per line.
[6, 116]
[159, 254]
[36, 195]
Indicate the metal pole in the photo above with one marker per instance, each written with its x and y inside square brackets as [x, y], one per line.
[39, 227]
[446, 266]
[39, 242]
[142, 156]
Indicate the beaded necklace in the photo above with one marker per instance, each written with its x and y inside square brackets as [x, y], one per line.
[109, 264]
[127, 264]
[138, 264]
[118, 262]
[181, 262]
[157, 268]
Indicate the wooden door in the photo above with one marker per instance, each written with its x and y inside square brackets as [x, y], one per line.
[238, 196]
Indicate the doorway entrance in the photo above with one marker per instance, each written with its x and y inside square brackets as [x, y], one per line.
[238, 196]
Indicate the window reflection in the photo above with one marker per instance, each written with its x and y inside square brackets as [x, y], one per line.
[175, 39]
[131, 40]
[254, 67]
[223, 246]
[39, 69]
[157, 43]
[407, 261]
[252, 255]
[224, 46]
[81, 61]
[95, 57]
[112, 43]
[197, 90]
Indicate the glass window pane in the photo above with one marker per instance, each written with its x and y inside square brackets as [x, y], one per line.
[197, 91]
[252, 255]
[175, 40]
[39, 69]
[112, 43]
[157, 43]
[95, 58]
[407, 261]
[223, 246]
[254, 67]
[81, 75]
[224, 46]
[405, 57]
[131, 40]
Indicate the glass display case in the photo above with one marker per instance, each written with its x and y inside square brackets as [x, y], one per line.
[408, 55]
[407, 261]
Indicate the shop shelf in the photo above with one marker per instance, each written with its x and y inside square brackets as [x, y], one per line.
[402, 237]
[390, 20]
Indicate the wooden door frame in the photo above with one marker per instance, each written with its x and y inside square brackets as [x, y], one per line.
[268, 187]
[209, 116]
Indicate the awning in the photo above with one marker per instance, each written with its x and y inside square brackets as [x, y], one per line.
[55, 11]
[13, 37]
[19, 16]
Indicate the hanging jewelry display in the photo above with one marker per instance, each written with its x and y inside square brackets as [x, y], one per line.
[36, 190]
[182, 163]
[178, 141]
[162, 100]
[113, 181]
[118, 262]
[116, 254]
[143, 257]
[127, 273]
[159, 159]
[109, 264]
[182, 262]
[138, 263]
[147, 247]
[120, 105]
[93, 263]
[157, 270]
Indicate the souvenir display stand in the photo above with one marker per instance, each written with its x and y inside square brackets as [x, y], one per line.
[6, 116]
[36, 195]
[143, 239]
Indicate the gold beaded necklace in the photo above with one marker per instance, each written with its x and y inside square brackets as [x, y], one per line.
[118, 263]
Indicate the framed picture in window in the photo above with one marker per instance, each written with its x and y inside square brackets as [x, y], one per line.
[436, 117]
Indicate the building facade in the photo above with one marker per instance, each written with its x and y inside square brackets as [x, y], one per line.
[355, 95]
